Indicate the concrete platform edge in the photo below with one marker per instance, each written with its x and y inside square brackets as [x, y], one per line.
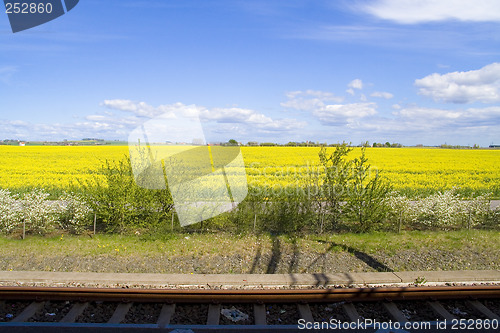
[246, 280]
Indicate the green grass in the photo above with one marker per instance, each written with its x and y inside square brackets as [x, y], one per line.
[392, 242]
[199, 244]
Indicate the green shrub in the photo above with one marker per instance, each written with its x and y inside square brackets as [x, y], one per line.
[286, 210]
[333, 186]
[120, 204]
[367, 193]
[351, 191]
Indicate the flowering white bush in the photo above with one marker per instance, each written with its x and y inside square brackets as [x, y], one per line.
[38, 214]
[475, 211]
[447, 209]
[400, 208]
[439, 210]
[9, 212]
[74, 213]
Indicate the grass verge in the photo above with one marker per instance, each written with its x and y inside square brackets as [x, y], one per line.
[227, 253]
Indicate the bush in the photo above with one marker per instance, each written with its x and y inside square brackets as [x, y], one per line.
[400, 209]
[492, 219]
[9, 212]
[287, 211]
[333, 188]
[351, 191]
[38, 214]
[75, 213]
[120, 204]
[475, 211]
[448, 210]
[367, 193]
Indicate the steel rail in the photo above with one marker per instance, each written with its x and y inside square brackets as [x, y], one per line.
[247, 296]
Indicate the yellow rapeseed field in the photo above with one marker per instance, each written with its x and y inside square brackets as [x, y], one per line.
[418, 170]
[414, 169]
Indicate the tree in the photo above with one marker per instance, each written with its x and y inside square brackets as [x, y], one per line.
[336, 178]
[367, 193]
[232, 142]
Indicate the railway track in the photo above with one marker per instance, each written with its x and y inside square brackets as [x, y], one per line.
[409, 309]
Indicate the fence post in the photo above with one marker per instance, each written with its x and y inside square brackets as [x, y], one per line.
[172, 227]
[254, 222]
[400, 221]
[95, 216]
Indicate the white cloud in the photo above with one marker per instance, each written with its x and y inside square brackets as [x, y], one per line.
[482, 85]
[309, 99]
[234, 115]
[58, 131]
[143, 109]
[322, 95]
[282, 125]
[336, 114]
[382, 94]
[356, 84]
[250, 118]
[130, 114]
[415, 124]
[413, 11]
[96, 118]
[342, 114]
[137, 108]
[421, 114]
[440, 118]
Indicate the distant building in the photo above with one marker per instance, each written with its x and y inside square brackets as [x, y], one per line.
[494, 146]
[22, 143]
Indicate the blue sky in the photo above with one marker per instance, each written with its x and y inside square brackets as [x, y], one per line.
[414, 72]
